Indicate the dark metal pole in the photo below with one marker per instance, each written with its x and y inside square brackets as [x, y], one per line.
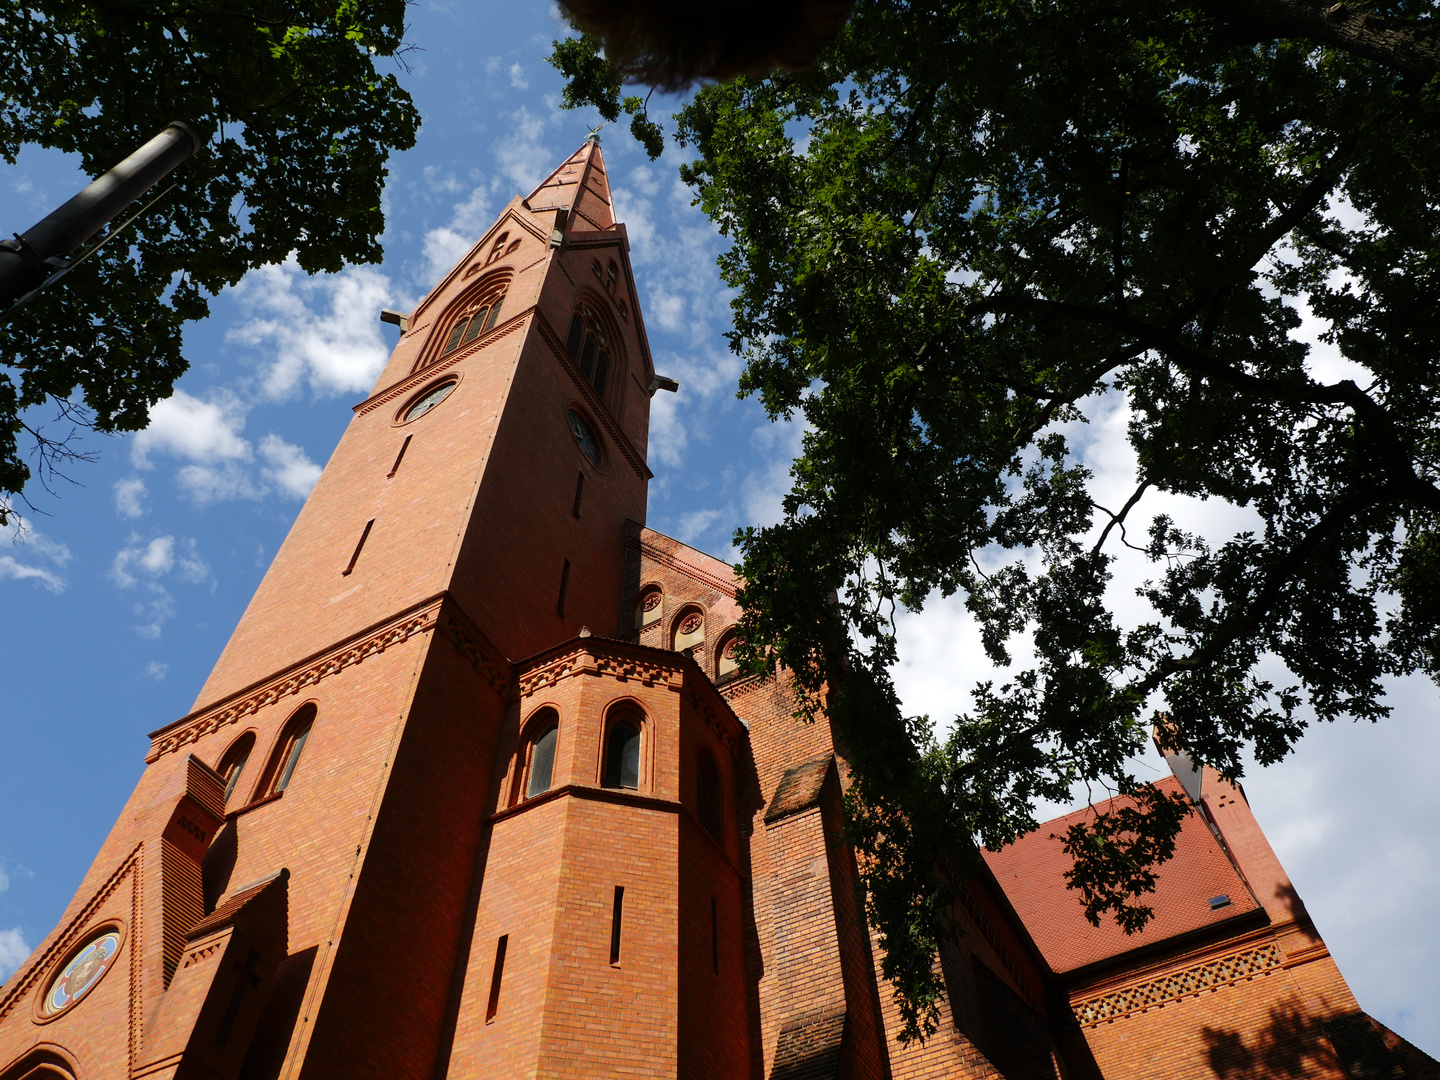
[27, 260]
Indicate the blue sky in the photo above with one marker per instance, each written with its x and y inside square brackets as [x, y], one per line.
[124, 590]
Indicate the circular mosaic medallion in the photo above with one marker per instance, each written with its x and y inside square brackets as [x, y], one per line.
[429, 400]
[691, 623]
[652, 601]
[82, 972]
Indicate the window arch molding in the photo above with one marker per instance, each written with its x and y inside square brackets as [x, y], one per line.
[617, 756]
[687, 629]
[287, 752]
[456, 328]
[594, 345]
[649, 604]
[727, 664]
[237, 758]
[527, 782]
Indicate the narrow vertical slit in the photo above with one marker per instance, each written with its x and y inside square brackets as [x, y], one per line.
[494, 1006]
[714, 936]
[579, 490]
[365, 535]
[399, 457]
[564, 584]
[615, 924]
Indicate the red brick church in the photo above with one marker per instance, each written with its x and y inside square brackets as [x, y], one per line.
[476, 791]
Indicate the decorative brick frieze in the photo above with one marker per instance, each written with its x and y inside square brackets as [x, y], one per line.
[371, 642]
[1207, 975]
[659, 555]
[472, 644]
[582, 661]
[411, 382]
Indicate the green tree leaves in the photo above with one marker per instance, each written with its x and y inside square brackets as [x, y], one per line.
[300, 124]
[968, 227]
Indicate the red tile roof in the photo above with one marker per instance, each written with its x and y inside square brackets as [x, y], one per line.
[1031, 871]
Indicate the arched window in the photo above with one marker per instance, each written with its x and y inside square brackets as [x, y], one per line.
[725, 659]
[647, 608]
[712, 802]
[689, 630]
[540, 758]
[291, 747]
[591, 346]
[622, 755]
[233, 761]
[477, 318]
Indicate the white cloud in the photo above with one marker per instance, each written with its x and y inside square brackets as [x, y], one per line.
[524, 158]
[288, 467]
[13, 951]
[144, 565]
[323, 330]
[206, 484]
[202, 431]
[128, 496]
[30, 549]
[137, 558]
[447, 245]
[156, 670]
[517, 77]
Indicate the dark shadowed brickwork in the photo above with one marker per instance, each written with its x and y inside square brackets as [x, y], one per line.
[475, 790]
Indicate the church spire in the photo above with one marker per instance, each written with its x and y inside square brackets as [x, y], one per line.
[581, 187]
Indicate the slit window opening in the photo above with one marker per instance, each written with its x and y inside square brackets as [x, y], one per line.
[579, 491]
[360, 546]
[493, 1006]
[542, 763]
[616, 915]
[564, 586]
[399, 457]
[622, 756]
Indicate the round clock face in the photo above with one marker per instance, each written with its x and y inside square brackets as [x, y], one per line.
[429, 400]
[83, 972]
[585, 437]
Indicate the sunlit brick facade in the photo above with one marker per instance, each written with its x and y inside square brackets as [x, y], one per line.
[474, 790]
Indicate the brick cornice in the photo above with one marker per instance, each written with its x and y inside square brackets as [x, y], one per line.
[690, 570]
[437, 611]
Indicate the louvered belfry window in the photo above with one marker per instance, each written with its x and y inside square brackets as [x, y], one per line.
[589, 348]
[474, 322]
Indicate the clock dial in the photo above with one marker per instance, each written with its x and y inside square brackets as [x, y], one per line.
[429, 400]
[589, 445]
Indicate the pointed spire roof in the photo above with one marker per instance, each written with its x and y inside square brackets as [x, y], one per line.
[580, 186]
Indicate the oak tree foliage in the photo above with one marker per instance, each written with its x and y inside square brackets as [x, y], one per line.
[970, 225]
[299, 121]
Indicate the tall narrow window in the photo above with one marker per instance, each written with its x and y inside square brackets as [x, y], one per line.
[689, 630]
[616, 915]
[647, 608]
[399, 457]
[495, 976]
[622, 756]
[579, 491]
[542, 762]
[291, 749]
[714, 936]
[564, 586]
[232, 764]
[712, 812]
[360, 546]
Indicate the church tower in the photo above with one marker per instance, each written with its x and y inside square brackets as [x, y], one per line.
[476, 789]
